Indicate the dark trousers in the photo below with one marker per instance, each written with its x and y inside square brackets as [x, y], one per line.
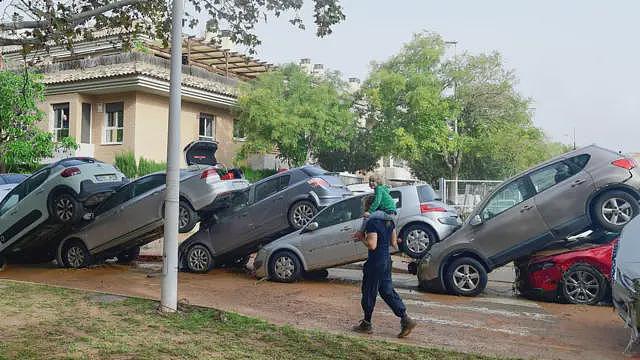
[377, 279]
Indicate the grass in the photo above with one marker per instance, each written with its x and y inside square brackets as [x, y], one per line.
[42, 322]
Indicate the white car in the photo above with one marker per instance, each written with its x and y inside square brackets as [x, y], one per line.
[36, 211]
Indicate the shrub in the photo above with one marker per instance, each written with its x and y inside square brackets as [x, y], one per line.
[126, 162]
[146, 166]
[255, 175]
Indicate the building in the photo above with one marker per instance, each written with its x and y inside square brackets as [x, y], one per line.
[113, 101]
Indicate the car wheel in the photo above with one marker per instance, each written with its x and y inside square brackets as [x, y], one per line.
[129, 255]
[417, 240]
[284, 266]
[614, 209]
[466, 276]
[75, 255]
[317, 274]
[199, 259]
[65, 209]
[187, 217]
[301, 214]
[583, 284]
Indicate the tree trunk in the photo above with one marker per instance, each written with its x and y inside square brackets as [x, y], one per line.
[3, 167]
[452, 193]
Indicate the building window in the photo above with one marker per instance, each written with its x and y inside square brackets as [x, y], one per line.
[60, 121]
[114, 123]
[207, 128]
[238, 132]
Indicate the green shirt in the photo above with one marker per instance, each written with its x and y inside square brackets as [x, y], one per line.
[383, 200]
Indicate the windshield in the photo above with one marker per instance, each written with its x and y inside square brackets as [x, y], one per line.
[314, 171]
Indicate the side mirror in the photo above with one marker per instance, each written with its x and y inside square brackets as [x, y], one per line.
[312, 227]
[476, 220]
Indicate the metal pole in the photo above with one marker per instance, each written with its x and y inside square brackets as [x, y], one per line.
[169, 295]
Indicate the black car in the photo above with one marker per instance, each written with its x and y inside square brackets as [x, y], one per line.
[243, 220]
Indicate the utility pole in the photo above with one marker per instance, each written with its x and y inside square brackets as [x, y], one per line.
[169, 292]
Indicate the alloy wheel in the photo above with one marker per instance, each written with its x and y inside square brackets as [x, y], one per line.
[75, 256]
[466, 277]
[184, 217]
[302, 214]
[581, 287]
[417, 241]
[284, 267]
[199, 260]
[64, 209]
[617, 211]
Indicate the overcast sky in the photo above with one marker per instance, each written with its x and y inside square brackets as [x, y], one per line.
[578, 60]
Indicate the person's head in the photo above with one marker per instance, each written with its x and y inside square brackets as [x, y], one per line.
[375, 180]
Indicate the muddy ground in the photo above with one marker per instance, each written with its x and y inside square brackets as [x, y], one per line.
[496, 323]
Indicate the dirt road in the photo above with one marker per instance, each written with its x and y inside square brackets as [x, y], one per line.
[495, 323]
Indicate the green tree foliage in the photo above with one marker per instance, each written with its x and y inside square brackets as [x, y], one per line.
[360, 155]
[297, 114]
[22, 143]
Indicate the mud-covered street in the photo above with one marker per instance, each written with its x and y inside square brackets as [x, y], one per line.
[495, 323]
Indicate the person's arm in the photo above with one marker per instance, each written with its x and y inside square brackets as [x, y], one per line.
[376, 200]
[371, 240]
[394, 239]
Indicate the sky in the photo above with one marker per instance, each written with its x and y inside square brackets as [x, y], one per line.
[577, 60]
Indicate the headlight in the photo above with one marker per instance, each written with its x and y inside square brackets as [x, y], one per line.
[450, 220]
[541, 266]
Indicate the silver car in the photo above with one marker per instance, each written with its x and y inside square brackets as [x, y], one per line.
[587, 188]
[328, 240]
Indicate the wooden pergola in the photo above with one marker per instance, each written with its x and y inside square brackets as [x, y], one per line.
[212, 57]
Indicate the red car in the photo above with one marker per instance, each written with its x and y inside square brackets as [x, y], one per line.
[579, 274]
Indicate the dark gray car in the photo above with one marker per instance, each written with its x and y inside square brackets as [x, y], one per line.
[246, 219]
[589, 187]
[626, 278]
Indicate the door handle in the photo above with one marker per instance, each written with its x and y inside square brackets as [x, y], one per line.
[39, 192]
[346, 228]
[526, 208]
[578, 182]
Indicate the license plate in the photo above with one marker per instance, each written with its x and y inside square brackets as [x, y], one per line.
[108, 177]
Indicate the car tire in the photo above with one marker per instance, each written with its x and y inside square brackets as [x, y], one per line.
[65, 209]
[417, 239]
[129, 255]
[76, 255]
[199, 259]
[301, 213]
[583, 284]
[466, 277]
[284, 266]
[614, 209]
[187, 217]
[317, 274]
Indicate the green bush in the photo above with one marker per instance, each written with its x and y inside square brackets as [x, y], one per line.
[255, 175]
[146, 166]
[126, 162]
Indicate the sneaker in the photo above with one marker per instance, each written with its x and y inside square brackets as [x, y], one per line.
[407, 325]
[364, 327]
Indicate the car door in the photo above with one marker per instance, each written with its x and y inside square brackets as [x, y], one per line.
[108, 224]
[562, 191]
[21, 210]
[232, 228]
[144, 207]
[267, 213]
[511, 225]
[332, 243]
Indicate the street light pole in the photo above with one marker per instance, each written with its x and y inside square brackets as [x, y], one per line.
[169, 293]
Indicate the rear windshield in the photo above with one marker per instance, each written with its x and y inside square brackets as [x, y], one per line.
[426, 194]
[314, 171]
[76, 162]
[13, 178]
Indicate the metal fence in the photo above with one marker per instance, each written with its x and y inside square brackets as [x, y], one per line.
[465, 195]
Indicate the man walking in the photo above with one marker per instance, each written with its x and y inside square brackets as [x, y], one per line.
[379, 235]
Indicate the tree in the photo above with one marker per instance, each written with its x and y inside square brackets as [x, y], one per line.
[38, 24]
[297, 114]
[360, 155]
[22, 143]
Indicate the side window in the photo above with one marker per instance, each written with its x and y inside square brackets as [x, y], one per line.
[267, 188]
[12, 198]
[577, 163]
[509, 196]
[343, 211]
[34, 182]
[551, 175]
[397, 196]
[119, 197]
[284, 182]
[147, 184]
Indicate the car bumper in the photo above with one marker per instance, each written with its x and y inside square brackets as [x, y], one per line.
[202, 200]
[427, 270]
[627, 305]
[92, 193]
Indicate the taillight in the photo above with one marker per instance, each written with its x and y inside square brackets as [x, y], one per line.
[210, 175]
[70, 172]
[318, 182]
[425, 208]
[624, 163]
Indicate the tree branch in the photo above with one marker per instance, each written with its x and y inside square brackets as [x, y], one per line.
[78, 18]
